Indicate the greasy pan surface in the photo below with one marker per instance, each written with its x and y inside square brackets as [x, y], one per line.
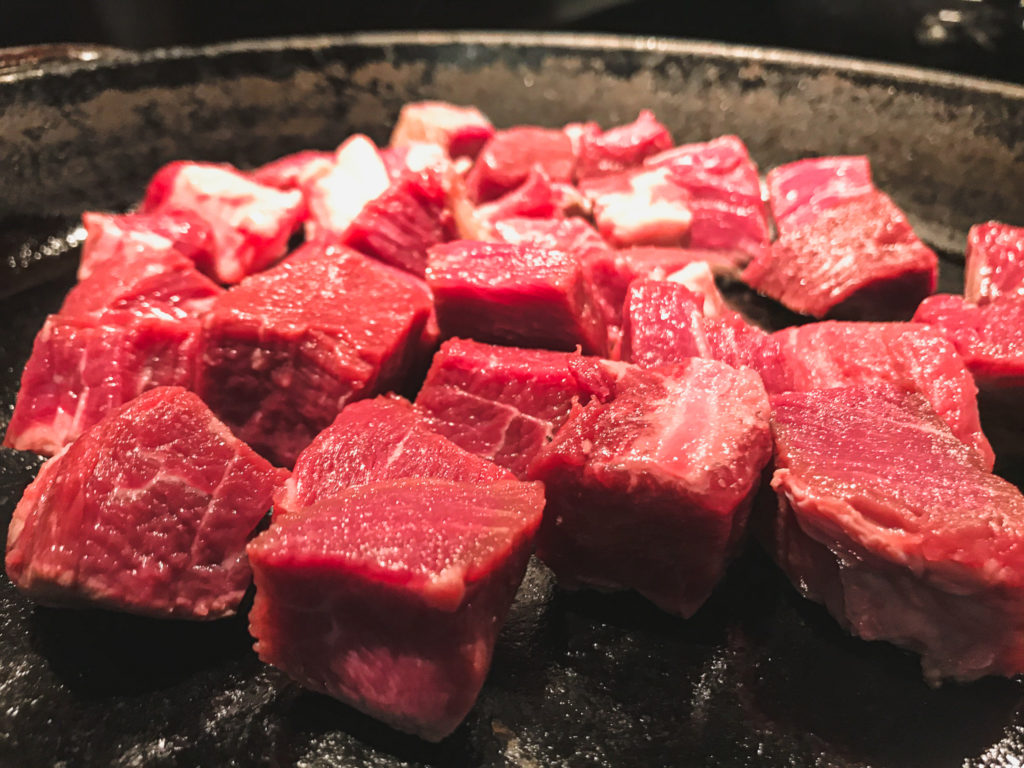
[758, 677]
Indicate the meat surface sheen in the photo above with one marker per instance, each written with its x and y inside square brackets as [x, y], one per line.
[995, 262]
[83, 367]
[376, 440]
[249, 223]
[666, 322]
[390, 596]
[894, 524]
[858, 259]
[725, 195]
[112, 239]
[651, 490]
[910, 356]
[990, 337]
[514, 294]
[285, 350]
[148, 512]
[799, 192]
[162, 284]
[505, 403]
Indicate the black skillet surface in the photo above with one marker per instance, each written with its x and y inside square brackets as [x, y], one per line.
[758, 677]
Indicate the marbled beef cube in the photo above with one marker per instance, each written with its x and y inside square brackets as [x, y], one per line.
[285, 350]
[148, 512]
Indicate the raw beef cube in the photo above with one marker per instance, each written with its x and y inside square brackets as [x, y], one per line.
[390, 596]
[725, 195]
[990, 337]
[285, 350]
[294, 171]
[461, 131]
[799, 192]
[640, 207]
[250, 223]
[896, 526]
[578, 132]
[508, 157]
[113, 238]
[399, 225]
[535, 197]
[82, 368]
[666, 322]
[570, 235]
[858, 260]
[165, 284]
[505, 403]
[514, 294]
[336, 197]
[995, 262]
[611, 271]
[651, 490]
[148, 512]
[374, 441]
[913, 357]
[620, 148]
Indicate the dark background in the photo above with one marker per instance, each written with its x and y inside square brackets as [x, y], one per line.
[981, 37]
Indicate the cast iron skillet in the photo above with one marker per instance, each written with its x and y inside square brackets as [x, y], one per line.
[758, 677]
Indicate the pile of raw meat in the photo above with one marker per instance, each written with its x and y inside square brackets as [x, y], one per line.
[581, 390]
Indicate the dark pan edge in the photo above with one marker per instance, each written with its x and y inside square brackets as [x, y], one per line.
[581, 41]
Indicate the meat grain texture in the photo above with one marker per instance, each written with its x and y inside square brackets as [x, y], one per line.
[887, 518]
[147, 512]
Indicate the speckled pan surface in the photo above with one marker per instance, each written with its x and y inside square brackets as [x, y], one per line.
[758, 677]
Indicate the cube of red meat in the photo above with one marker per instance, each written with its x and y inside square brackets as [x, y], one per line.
[514, 294]
[620, 148]
[611, 271]
[858, 260]
[285, 350]
[651, 490]
[393, 211]
[536, 197]
[725, 195]
[507, 158]
[250, 223]
[83, 367]
[896, 526]
[995, 262]
[799, 192]
[336, 197]
[390, 596]
[374, 441]
[294, 171]
[913, 357]
[505, 403]
[112, 239]
[401, 224]
[164, 283]
[148, 512]
[640, 207]
[990, 337]
[461, 131]
[666, 322]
